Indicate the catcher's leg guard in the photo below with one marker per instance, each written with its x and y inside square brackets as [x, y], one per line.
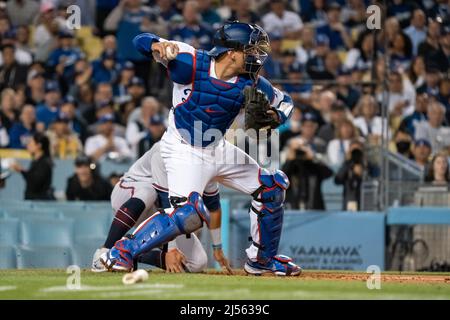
[160, 228]
[268, 206]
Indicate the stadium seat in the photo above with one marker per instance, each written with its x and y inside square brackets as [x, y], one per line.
[43, 257]
[8, 259]
[34, 213]
[9, 231]
[47, 232]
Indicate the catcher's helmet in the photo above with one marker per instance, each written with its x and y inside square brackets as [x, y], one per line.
[249, 38]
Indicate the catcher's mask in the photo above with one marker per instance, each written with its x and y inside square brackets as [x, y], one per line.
[248, 38]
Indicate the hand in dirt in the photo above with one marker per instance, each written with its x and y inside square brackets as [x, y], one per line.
[175, 260]
[220, 258]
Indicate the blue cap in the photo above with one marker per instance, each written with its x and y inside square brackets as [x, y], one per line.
[322, 39]
[136, 81]
[343, 71]
[309, 116]
[128, 65]
[156, 119]
[422, 142]
[108, 55]
[296, 67]
[275, 36]
[51, 86]
[65, 34]
[69, 99]
[109, 117]
[104, 104]
[62, 117]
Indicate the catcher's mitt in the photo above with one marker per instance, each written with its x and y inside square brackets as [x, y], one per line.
[256, 105]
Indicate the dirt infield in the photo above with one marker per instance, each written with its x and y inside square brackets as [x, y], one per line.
[357, 276]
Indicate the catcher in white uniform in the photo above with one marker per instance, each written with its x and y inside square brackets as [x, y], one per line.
[210, 89]
[142, 189]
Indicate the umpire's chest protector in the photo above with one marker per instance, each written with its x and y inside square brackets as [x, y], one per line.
[211, 106]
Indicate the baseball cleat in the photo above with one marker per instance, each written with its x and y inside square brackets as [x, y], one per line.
[97, 266]
[118, 258]
[279, 265]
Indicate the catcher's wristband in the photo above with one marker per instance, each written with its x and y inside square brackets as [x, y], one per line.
[216, 237]
[217, 246]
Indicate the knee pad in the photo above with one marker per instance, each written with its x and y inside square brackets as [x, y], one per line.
[270, 197]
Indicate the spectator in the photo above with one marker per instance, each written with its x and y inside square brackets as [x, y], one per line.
[126, 74]
[298, 91]
[22, 12]
[292, 128]
[47, 112]
[346, 90]
[338, 147]
[315, 16]
[332, 66]
[4, 137]
[107, 108]
[102, 9]
[401, 97]
[431, 48]
[22, 42]
[316, 65]
[354, 14]
[21, 131]
[327, 132]
[281, 21]
[62, 60]
[209, 14]
[105, 144]
[401, 10]
[402, 143]
[105, 69]
[64, 144]
[350, 175]
[417, 30]
[391, 29]
[409, 123]
[76, 123]
[193, 31]
[35, 91]
[307, 49]
[166, 10]
[136, 90]
[103, 94]
[438, 172]
[38, 177]
[369, 124]
[244, 13]
[11, 72]
[432, 80]
[335, 30]
[8, 111]
[400, 53]
[361, 56]
[22, 56]
[421, 152]
[433, 130]
[86, 184]
[305, 169]
[45, 35]
[417, 72]
[273, 67]
[147, 129]
[127, 20]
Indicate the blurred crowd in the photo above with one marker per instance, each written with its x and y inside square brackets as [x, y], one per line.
[91, 93]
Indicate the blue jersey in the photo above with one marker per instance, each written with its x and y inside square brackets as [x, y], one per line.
[202, 103]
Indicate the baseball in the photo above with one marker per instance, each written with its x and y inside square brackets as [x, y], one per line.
[170, 54]
[134, 277]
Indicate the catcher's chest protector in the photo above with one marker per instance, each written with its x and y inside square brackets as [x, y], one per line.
[212, 104]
